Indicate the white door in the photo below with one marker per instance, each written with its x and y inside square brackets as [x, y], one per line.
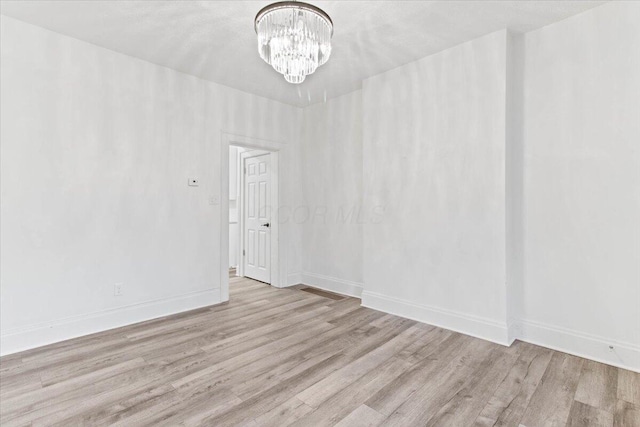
[257, 217]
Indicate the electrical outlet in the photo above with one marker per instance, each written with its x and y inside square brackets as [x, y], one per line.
[117, 289]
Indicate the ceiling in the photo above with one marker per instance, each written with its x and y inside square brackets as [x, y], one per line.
[215, 40]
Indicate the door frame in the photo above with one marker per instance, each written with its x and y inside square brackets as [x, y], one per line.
[273, 202]
[274, 147]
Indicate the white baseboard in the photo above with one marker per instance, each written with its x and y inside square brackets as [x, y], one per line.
[20, 339]
[623, 355]
[294, 279]
[475, 326]
[332, 284]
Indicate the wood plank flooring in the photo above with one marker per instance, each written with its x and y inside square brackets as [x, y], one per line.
[280, 357]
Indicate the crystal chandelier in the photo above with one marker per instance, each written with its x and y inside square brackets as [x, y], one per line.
[294, 38]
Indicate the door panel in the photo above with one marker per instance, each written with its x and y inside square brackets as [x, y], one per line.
[257, 218]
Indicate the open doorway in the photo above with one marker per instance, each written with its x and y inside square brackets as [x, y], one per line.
[252, 202]
[234, 183]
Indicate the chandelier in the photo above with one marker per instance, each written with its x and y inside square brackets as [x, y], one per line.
[294, 38]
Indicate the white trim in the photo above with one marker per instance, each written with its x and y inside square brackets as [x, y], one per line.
[294, 279]
[624, 355]
[25, 338]
[474, 326]
[332, 284]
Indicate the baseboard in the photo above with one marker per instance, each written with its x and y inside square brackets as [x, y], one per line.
[623, 355]
[20, 339]
[294, 279]
[478, 327]
[332, 284]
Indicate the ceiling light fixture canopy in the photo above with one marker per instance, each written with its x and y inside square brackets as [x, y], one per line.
[294, 38]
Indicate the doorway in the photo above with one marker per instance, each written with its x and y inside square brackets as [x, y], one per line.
[253, 201]
[231, 184]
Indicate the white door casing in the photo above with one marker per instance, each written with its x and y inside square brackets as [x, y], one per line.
[257, 218]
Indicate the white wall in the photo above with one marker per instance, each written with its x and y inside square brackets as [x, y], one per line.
[96, 151]
[331, 208]
[582, 184]
[514, 182]
[434, 158]
[509, 171]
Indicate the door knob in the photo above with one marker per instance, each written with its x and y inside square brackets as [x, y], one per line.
[266, 224]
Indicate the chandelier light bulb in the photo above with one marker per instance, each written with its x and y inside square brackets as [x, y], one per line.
[294, 38]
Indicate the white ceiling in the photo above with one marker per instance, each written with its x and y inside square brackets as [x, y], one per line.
[215, 40]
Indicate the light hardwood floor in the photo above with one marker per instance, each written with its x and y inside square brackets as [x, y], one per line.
[278, 357]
